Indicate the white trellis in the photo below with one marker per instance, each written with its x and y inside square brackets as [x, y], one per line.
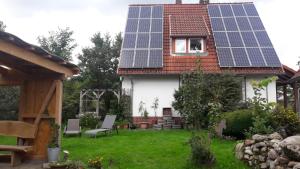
[94, 95]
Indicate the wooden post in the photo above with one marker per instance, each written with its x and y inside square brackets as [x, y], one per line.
[296, 96]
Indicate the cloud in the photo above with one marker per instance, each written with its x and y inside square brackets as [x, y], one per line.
[31, 18]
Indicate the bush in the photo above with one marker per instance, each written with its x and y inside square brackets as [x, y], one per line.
[96, 163]
[261, 125]
[237, 122]
[286, 119]
[89, 121]
[200, 147]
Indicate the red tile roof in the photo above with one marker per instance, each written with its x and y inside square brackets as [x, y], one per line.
[188, 25]
[181, 64]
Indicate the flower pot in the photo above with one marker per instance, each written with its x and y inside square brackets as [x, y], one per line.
[144, 125]
[53, 154]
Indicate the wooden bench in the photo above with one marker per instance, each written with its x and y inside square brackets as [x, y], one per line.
[23, 131]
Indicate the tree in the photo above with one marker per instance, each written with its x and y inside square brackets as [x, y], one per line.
[60, 43]
[99, 65]
[203, 95]
[2, 26]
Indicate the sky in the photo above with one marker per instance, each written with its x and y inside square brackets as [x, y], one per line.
[29, 19]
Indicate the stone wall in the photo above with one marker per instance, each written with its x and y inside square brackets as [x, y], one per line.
[270, 151]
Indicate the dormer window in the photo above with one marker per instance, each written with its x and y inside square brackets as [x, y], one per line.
[180, 46]
[196, 45]
[190, 46]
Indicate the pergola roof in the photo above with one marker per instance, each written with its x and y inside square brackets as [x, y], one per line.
[20, 60]
[286, 76]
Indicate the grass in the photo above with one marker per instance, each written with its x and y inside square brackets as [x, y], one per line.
[145, 149]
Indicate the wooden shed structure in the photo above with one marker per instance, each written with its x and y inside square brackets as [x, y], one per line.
[39, 75]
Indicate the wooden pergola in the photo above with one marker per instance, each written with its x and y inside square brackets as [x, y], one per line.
[39, 75]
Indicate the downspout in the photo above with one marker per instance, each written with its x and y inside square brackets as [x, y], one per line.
[245, 87]
[131, 98]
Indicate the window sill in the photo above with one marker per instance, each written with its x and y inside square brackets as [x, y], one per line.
[190, 54]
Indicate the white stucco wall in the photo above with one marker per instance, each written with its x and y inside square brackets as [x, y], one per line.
[146, 89]
[269, 92]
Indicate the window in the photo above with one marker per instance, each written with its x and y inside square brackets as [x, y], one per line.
[180, 46]
[195, 45]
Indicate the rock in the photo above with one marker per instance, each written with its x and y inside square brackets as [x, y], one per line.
[255, 149]
[292, 152]
[260, 145]
[261, 158]
[246, 156]
[264, 149]
[263, 165]
[282, 160]
[259, 138]
[279, 167]
[276, 136]
[292, 163]
[249, 152]
[297, 166]
[239, 151]
[272, 154]
[272, 164]
[294, 140]
[249, 142]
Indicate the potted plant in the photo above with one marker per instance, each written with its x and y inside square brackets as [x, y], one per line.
[144, 115]
[53, 147]
[58, 165]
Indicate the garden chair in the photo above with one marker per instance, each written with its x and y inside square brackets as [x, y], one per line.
[72, 127]
[107, 126]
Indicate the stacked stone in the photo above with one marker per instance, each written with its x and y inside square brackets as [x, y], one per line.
[270, 151]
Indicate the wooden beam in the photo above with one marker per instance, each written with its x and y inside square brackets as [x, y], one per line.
[45, 103]
[9, 82]
[33, 58]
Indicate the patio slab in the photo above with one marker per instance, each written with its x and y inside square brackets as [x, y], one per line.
[26, 165]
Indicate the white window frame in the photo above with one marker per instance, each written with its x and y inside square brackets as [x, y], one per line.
[195, 51]
[176, 49]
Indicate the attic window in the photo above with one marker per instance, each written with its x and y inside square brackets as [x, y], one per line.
[180, 46]
[195, 45]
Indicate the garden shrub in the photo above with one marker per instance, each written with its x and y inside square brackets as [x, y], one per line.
[89, 121]
[285, 118]
[200, 150]
[261, 125]
[237, 122]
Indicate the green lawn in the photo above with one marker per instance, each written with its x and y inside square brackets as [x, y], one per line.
[145, 149]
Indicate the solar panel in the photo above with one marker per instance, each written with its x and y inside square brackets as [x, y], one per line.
[235, 39]
[131, 25]
[144, 25]
[214, 11]
[256, 23]
[141, 58]
[225, 56]
[133, 12]
[250, 9]
[143, 38]
[155, 59]
[157, 11]
[129, 41]
[238, 10]
[126, 58]
[256, 57]
[221, 39]
[156, 40]
[145, 12]
[230, 24]
[240, 36]
[156, 25]
[240, 57]
[243, 24]
[271, 57]
[263, 39]
[249, 39]
[217, 24]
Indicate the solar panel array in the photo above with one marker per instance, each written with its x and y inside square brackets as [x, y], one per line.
[143, 39]
[240, 37]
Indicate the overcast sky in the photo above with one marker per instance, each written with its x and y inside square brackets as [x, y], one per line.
[30, 18]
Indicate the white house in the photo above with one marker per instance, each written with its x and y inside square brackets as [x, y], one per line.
[163, 41]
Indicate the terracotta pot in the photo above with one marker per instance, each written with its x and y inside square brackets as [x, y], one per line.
[144, 125]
